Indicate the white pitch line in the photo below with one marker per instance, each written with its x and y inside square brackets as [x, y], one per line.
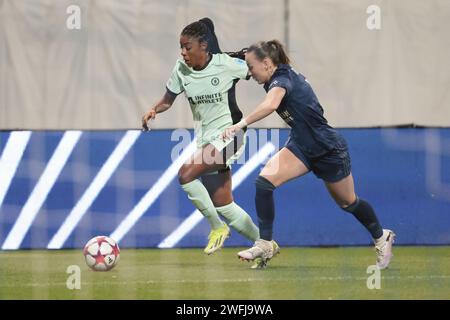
[195, 217]
[91, 193]
[41, 190]
[230, 280]
[150, 197]
[11, 156]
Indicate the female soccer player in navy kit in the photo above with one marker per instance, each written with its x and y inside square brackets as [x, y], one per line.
[313, 145]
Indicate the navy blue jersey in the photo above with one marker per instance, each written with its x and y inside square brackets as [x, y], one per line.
[301, 110]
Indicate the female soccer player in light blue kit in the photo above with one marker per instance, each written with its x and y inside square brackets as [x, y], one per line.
[313, 145]
[208, 81]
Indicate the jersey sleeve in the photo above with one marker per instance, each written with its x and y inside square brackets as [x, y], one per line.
[174, 84]
[281, 81]
[237, 67]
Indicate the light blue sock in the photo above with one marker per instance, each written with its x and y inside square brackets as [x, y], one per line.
[239, 220]
[199, 196]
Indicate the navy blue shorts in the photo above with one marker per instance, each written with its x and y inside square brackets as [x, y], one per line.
[333, 166]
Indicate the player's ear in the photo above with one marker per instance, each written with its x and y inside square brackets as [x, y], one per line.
[204, 45]
[266, 62]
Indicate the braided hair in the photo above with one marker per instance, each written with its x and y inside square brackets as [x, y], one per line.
[213, 43]
[203, 31]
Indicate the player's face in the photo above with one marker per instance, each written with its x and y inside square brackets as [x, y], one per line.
[193, 52]
[257, 68]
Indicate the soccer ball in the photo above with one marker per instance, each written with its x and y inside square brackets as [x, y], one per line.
[101, 253]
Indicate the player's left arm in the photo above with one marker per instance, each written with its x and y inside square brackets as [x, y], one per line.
[270, 103]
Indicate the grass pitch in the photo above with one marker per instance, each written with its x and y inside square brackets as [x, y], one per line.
[297, 273]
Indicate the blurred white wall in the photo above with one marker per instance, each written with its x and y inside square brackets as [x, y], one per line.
[108, 73]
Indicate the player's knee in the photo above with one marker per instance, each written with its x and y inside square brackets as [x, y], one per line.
[263, 185]
[349, 206]
[222, 200]
[185, 175]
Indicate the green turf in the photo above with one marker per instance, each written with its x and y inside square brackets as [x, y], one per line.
[297, 273]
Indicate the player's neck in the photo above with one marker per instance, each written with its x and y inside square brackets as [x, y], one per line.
[272, 71]
[204, 64]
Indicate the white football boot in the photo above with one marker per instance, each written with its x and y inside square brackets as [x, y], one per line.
[261, 249]
[260, 263]
[383, 248]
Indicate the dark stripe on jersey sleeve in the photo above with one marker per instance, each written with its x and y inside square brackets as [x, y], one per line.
[170, 93]
[236, 113]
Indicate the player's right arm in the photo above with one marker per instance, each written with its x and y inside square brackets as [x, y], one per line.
[173, 89]
[162, 105]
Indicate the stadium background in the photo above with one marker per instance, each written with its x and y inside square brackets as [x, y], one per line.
[73, 163]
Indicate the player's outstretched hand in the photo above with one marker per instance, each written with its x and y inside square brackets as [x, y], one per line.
[230, 132]
[146, 118]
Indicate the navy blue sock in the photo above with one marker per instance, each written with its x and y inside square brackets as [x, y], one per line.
[265, 207]
[363, 211]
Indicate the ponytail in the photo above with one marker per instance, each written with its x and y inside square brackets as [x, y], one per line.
[277, 53]
[272, 49]
[213, 43]
[238, 54]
